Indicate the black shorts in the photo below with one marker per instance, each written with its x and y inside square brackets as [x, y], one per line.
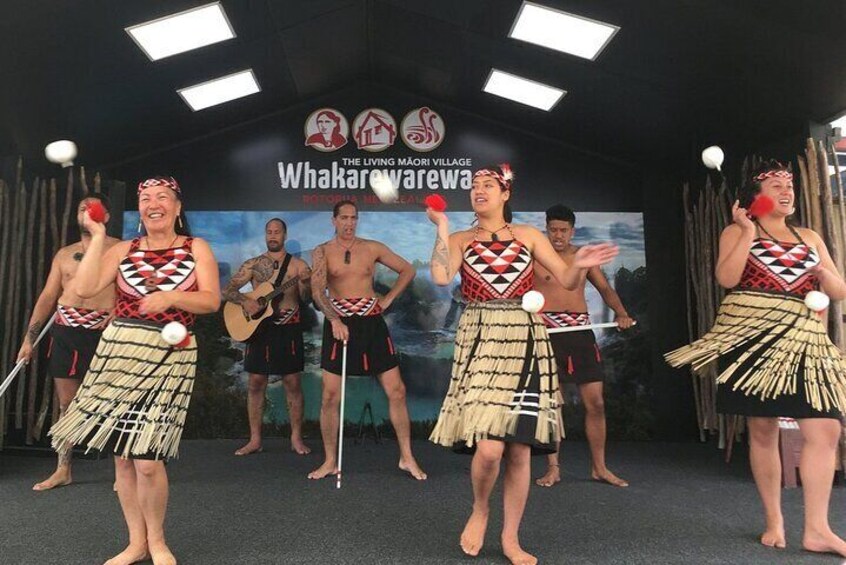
[370, 350]
[70, 351]
[275, 350]
[577, 356]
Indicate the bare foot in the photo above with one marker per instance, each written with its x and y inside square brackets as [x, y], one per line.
[473, 536]
[328, 468]
[516, 555]
[824, 542]
[161, 555]
[61, 477]
[298, 447]
[552, 476]
[608, 477]
[774, 537]
[249, 449]
[411, 467]
[132, 554]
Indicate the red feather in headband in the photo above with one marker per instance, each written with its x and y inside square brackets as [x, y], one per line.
[507, 174]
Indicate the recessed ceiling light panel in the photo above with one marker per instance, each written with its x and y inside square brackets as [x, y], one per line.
[523, 90]
[220, 90]
[182, 32]
[561, 31]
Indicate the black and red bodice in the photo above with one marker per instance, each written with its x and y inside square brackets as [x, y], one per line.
[493, 270]
[145, 271]
[781, 267]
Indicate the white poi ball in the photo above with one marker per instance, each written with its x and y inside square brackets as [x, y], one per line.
[174, 333]
[533, 301]
[62, 152]
[712, 157]
[383, 186]
[817, 301]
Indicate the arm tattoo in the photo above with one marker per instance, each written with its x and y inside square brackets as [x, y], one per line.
[440, 255]
[32, 332]
[318, 284]
[242, 277]
[305, 284]
[263, 269]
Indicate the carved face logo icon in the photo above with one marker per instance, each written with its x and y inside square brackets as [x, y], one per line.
[326, 129]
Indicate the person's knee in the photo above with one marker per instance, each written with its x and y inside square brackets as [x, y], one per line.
[518, 456]
[396, 392]
[148, 469]
[292, 385]
[257, 385]
[826, 436]
[331, 398]
[489, 456]
[763, 433]
[123, 465]
[595, 406]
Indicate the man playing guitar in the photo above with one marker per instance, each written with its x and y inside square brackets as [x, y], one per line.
[276, 348]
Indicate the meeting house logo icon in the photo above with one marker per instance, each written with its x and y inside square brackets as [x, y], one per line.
[374, 129]
[326, 129]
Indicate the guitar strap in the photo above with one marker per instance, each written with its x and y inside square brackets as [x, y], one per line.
[282, 270]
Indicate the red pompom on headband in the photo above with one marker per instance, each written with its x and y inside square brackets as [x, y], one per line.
[168, 182]
[504, 176]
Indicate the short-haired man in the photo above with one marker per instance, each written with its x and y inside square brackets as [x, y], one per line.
[577, 354]
[277, 346]
[345, 266]
[77, 325]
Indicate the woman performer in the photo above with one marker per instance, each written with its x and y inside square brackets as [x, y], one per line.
[776, 358]
[503, 397]
[134, 399]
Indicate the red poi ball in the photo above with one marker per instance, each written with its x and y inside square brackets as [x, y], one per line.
[436, 202]
[761, 206]
[96, 211]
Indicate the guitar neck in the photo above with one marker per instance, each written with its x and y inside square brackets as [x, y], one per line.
[281, 288]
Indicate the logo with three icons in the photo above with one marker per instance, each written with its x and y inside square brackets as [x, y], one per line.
[374, 129]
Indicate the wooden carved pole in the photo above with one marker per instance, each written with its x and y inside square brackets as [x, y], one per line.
[33, 433]
[27, 378]
[66, 214]
[12, 294]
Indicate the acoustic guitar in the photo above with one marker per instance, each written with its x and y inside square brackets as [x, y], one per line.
[240, 325]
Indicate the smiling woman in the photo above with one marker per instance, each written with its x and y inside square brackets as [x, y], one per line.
[134, 399]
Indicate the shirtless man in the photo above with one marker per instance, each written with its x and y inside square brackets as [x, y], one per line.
[345, 265]
[277, 346]
[78, 324]
[576, 353]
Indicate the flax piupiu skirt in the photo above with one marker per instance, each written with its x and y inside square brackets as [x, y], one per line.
[134, 398]
[504, 383]
[776, 358]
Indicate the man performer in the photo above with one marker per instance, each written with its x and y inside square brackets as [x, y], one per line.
[577, 354]
[277, 346]
[77, 326]
[345, 266]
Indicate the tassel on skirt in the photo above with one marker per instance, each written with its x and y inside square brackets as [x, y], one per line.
[504, 382]
[776, 351]
[134, 398]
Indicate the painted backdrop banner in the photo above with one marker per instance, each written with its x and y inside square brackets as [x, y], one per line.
[422, 321]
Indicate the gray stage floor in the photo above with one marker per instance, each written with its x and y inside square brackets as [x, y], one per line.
[684, 506]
